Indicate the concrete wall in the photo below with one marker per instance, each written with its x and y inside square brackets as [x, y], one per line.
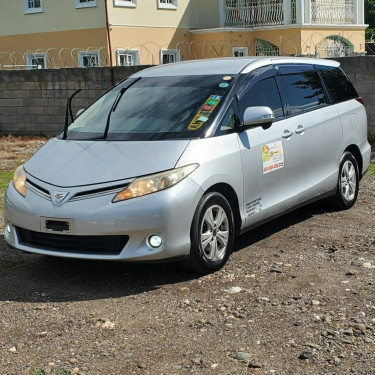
[34, 101]
[361, 71]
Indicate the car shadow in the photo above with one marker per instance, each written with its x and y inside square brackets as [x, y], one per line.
[283, 222]
[35, 278]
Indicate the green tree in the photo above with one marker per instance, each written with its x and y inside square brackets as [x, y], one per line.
[370, 18]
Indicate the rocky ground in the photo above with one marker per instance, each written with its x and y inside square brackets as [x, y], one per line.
[296, 297]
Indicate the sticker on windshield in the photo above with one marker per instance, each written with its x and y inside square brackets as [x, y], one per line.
[224, 84]
[272, 157]
[205, 112]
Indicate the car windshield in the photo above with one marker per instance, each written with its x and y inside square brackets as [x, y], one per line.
[154, 108]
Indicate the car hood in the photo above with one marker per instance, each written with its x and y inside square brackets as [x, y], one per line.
[77, 163]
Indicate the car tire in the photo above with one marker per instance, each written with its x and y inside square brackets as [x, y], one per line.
[211, 234]
[347, 183]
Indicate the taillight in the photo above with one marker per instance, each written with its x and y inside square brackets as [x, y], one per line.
[360, 100]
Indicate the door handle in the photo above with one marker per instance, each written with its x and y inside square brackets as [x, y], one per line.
[287, 134]
[300, 129]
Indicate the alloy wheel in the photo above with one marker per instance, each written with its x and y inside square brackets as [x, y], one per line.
[214, 233]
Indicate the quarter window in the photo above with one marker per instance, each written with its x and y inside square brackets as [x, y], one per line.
[339, 86]
[263, 93]
[167, 4]
[33, 6]
[36, 61]
[229, 121]
[88, 59]
[85, 3]
[303, 91]
[169, 56]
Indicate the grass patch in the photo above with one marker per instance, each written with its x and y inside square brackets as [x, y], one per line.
[371, 170]
[5, 178]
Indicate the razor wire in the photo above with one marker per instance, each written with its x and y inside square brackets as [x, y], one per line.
[151, 52]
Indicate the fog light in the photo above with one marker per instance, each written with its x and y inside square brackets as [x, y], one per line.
[155, 241]
[7, 228]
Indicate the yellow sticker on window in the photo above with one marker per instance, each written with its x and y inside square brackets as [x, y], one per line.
[205, 112]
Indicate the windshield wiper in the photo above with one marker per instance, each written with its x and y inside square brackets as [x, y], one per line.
[114, 106]
[69, 110]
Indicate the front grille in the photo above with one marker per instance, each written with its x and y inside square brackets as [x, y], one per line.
[97, 192]
[38, 190]
[105, 245]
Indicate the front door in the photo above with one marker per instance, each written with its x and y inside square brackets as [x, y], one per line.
[266, 159]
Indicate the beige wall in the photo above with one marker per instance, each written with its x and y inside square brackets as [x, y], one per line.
[290, 41]
[58, 15]
[61, 47]
[220, 44]
[313, 37]
[67, 30]
[189, 14]
[149, 41]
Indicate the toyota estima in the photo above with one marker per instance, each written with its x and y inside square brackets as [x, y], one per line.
[176, 160]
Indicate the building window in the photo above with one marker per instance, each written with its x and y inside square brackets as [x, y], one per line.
[167, 4]
[265, 48]
[85, 3]
[127, 57]
[169, 56]
[36, 61]
[88, 59]
[240, 51]
[334, 46]
[33, 6]
[125, 3]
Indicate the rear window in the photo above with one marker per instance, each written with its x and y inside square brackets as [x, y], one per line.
[303, 92]
[338, 84]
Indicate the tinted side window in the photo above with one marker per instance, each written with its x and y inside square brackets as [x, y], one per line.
[263, 93]
[338, 84]
[303, 91]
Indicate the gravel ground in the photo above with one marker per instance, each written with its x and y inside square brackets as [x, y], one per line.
[296, 297]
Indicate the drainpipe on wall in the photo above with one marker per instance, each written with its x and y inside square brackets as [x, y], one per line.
[109, 41]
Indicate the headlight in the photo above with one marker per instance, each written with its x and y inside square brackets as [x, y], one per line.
[19, 180]
[156, 182]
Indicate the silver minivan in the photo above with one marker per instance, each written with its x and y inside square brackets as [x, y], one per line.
[176, 160]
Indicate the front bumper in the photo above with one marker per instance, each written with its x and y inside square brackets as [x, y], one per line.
[168, 213]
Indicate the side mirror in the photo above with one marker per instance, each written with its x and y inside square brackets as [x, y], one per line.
[79, 112]
[255, 116]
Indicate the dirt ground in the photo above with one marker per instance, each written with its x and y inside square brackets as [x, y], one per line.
[296, 297]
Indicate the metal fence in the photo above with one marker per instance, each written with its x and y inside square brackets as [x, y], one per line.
[252, 13]
[333, 12]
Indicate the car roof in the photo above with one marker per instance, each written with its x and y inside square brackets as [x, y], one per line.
[231, 65]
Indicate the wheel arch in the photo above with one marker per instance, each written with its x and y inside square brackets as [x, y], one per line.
[231, 196]
[353, 149]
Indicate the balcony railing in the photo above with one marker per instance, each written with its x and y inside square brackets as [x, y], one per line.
[252, 13]
[332, 12]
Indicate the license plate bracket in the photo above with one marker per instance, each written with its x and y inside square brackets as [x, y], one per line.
[56, 225]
